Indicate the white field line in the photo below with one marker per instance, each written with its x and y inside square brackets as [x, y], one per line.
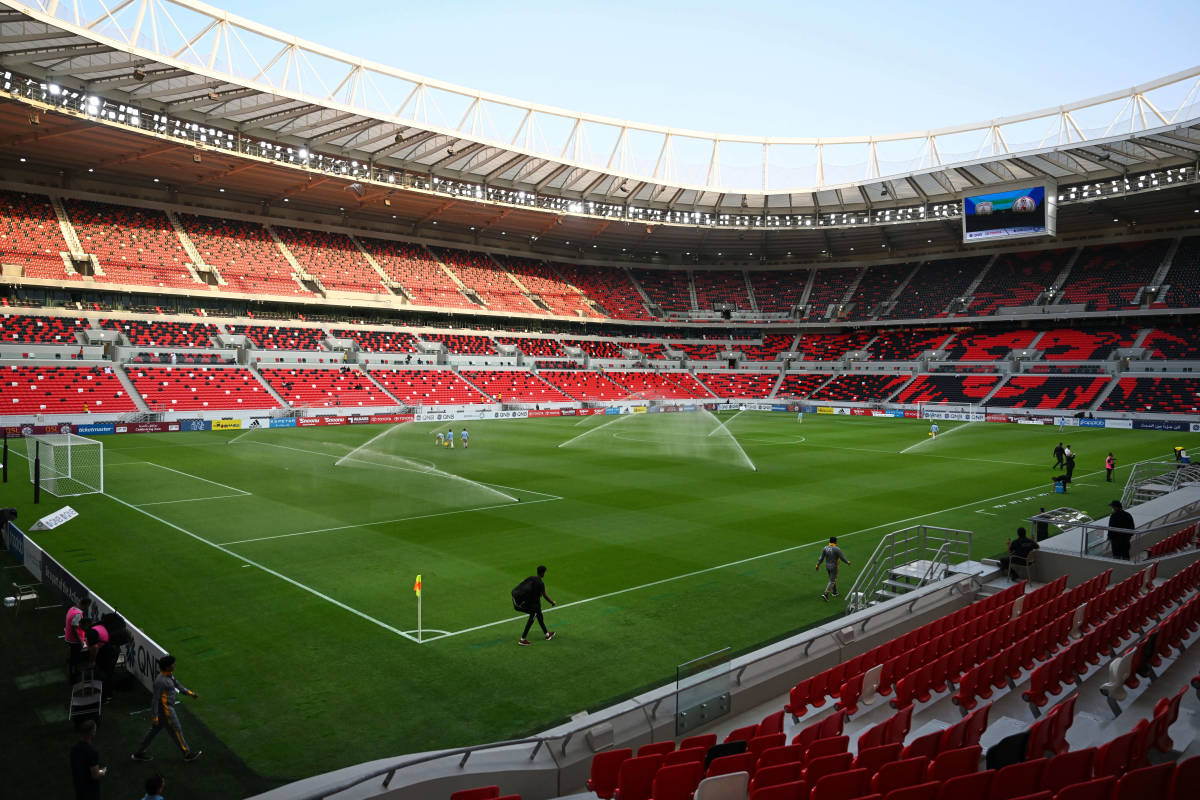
[726, 422]
[929, 439]
[388, 521]
[748, 559]
[265, 569]
[189, 500]
[368, 443]
[593, 430]
[240, 436]
[242, 492]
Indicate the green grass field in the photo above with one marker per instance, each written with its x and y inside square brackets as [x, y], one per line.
[282, 579]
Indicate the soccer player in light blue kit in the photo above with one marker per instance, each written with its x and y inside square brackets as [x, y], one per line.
[933, 430]
[463, 437]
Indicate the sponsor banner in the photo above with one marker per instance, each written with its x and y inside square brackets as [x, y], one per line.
[826, 410]
[671, 409]
[895, 412]
[1195, 427]
[309, 422]
[860, 412]
[1091, 423]
[1034, 421]
[16, 543]
[147, 427]
[332, 420]
[690, 408]
[390, 419]
[999, 418]
[1124, 424]
[911, 413]
[52, 521]
[845, 412]
[655, 410]
[95, 429]
[19, 431]
[567, 412]
[60, 582]
[283, 422]
[255, 423]
[778, 407]
[612, 410]
[638, 410]
[226, 425]
[878, 413]
[548, 412]
[195, 425]
[1160, 425]
[358, 419]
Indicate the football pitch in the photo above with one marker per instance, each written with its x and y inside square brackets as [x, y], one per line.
[278, 565]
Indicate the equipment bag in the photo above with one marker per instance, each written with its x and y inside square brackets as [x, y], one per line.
[523, 594]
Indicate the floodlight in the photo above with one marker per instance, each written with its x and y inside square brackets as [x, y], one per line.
[139, 74]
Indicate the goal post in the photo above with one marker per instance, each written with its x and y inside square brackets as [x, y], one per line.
[70, 465]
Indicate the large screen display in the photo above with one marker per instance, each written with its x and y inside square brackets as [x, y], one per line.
[1015, 213]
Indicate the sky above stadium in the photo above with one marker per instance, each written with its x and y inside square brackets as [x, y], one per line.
[765, 68]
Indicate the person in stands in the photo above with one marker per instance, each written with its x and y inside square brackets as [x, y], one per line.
[86, 771]
[1019, 550]
[1119, 540]
[154, 787]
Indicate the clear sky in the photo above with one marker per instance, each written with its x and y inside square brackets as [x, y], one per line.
[765, 68]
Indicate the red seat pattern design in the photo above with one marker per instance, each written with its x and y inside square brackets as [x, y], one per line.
[280, 337]
[748, 385]
[463, 344]
[517, 386]
[584, 384]
[905, 344]
[31, 237]
[415, 269]
[40, 330]
[1107, 277]
[829, 286]
[532, 346]
[1184, 275]
[777, 291]
[831, 346]
[163, 334]
[609, 287]
[325, 388]
[1049, 391]
[542, 280]
[597, 348]
[658, 385]
[935, 286]
[1065, 344]
[1173, 342]
[878, 284]
[133, 245]
[720, 286]
[333, 259]
[199, 388]
[181, 358]
[1164, 395]
[861, 387]
[988, 346]
[800, 384]
[667, 288]
[1016, 279]
[482, 275]
[30, 389]
[427, 387]
[773, 344]
[701, 352]
[652, 350]
[380, 341]
[245, 255]
[947, 389]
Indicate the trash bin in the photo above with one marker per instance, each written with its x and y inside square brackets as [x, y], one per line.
[1060, 486]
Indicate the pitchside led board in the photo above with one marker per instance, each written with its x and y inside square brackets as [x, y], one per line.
[1017, 213]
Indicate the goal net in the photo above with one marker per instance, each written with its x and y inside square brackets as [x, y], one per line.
[70, 465]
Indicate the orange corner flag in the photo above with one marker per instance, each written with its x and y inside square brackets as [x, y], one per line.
[417, 586]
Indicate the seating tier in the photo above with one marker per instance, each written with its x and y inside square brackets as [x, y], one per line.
[199, 388]
[415, 269]
[777, 291]
[1016, 279]
[584, 385]
[245, 255]
[30, 389]
[861, 387]
[281, 337]
[40, 330]
[935, 285]
[163, 334]
[609, 287]
[933, 389]
[31, 236]
[427, 387]
[325, 388]
[1049, 391]
[333, 259]
[514, 386]
[738, 385]
[720, 286]
[1162, 395]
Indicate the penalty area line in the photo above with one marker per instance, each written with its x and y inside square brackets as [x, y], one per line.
[250, 562]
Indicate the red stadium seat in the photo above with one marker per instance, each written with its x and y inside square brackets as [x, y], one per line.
[972, 785]
[841, 786]
[740, 762]
[952, 763]
[1187, 778]
[817, 768]
[656, 748]
[920, 791]
[1071, 767]
[678, 781]
[478, 793]
[685, 756]
[605, 771]
[1144, 783]
[1017, 780]
[1097, 789]
[776, 774]
[873, 758]
[636, 778]
[899, 774]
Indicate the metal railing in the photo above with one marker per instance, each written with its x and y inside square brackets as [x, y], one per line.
[1151, 480]
[905, 547]
[1094, 538]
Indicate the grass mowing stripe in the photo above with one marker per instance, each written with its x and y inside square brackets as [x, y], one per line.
[385, 521]
[265, 569]
[189, 475]
[190, 500]
[929, 439]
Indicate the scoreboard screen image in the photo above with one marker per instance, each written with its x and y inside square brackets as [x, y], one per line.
[1015, 213]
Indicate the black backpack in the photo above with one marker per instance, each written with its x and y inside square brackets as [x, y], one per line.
[524, 593]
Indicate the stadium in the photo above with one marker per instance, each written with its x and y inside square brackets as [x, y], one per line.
[308, 361]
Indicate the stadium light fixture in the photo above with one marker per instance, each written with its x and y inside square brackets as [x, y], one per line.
[139, 74]
[221, 190]
[22, 159]
[287, 200]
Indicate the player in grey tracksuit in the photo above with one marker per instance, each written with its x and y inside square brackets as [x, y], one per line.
[831, 554]
[162, 712]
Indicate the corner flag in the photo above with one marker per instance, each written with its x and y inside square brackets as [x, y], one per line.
[417, 586]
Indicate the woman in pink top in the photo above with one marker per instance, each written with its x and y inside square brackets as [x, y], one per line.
[1109, 463]
[73, 633]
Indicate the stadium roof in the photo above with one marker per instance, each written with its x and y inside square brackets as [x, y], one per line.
[196, 62]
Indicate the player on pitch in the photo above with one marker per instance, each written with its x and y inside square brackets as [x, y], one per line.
[831, 554]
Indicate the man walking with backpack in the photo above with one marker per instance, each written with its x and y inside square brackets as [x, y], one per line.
[527, 598]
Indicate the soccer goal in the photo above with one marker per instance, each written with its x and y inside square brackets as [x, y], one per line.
[70, 465]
